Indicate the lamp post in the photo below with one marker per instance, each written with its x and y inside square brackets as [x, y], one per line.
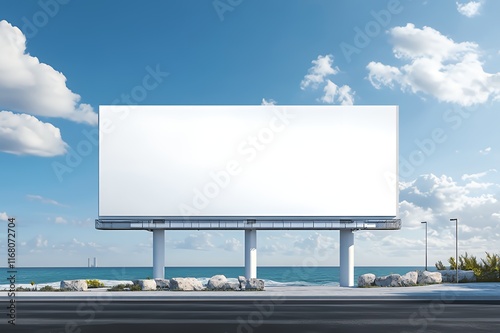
[456, 246]
[425, 222]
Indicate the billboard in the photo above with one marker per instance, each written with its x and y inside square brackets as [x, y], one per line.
[248, 162]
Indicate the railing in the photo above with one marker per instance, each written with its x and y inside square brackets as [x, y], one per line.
[150, 224]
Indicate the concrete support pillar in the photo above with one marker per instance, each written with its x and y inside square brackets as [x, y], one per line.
[158, 254]
[346, 258]
[250, 253]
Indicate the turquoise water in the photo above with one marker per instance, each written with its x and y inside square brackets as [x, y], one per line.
[286, 276]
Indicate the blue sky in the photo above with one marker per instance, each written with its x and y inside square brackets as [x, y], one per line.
[61, 59]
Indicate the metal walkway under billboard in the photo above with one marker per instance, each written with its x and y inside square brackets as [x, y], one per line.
[346, 228]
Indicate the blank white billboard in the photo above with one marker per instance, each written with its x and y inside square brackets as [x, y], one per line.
[204, 162]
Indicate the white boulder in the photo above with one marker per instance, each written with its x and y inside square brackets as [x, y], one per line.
[463, 276]
[392, 280]
[232, 286]
[162, 283]
[74, 285]
[254, 284]
[185, 284]
[217, 282]
[146, 284]
[242, 281]
[366, 280]
[426, 277]
[409, 279]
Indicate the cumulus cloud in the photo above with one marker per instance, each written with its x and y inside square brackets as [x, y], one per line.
[469, 9]
[22, 134]
[318, 73]
[201, 241]
[442, 195]
[322, 67]
[436, 65]
[29, 86]
[3, 216]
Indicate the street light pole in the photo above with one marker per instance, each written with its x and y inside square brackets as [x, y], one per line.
[425, 222]
[456, 246]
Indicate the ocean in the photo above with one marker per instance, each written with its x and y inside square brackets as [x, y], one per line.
[273, 276]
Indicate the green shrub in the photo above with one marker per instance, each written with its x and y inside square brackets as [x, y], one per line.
[486, 270]
[123, 287]
[94, 284]
[47, 288]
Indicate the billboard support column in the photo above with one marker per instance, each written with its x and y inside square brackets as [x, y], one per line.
[346, 258]
[158, 254]
[250, 253]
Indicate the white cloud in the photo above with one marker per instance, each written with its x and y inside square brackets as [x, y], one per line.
[3, 216]
[477, 175]
[485, 151]
[496, 216]
[436, 65]
[201, 241]
[231, 245]
[29, 86]
[345, 97]
[60, 220]
[22, 134]
[35, 197]
[318, 74]
[469, 9]
[268, 102]
[444, 196]
[331, 90]
[322, 67]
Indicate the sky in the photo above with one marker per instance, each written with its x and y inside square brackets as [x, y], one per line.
[439, 61]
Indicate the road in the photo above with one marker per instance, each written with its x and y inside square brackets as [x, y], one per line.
[254, 315]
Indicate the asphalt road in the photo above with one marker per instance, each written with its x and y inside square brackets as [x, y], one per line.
[252, 316]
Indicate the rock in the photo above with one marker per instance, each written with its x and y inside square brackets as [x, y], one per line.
[74, 285]
[232, 286]
[392, 280]
[366, 280]
[409, 279]
[217, 282]
[185, 284]
[426, 277]
[463, 276]
[146, 284]
[254, 284]
[162, 283]
[242, 281]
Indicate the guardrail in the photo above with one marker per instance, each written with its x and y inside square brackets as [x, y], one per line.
[145, 224]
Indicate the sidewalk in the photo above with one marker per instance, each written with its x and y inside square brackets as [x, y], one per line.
[446, 292]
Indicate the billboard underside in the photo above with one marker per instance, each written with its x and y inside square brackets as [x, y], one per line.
[248, 162]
